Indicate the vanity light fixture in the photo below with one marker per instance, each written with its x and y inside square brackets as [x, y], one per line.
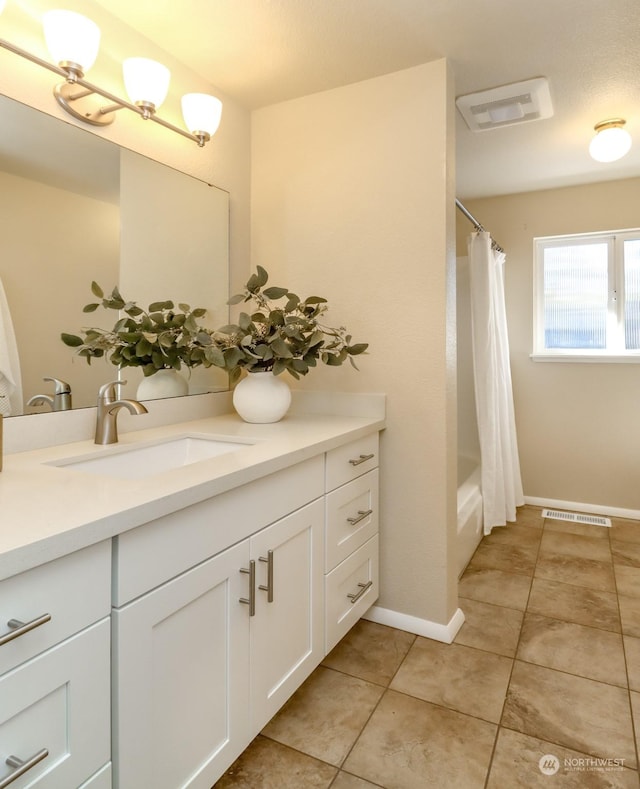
[73, 41]
[611, 141]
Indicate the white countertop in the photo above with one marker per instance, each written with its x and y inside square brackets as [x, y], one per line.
[48, 511]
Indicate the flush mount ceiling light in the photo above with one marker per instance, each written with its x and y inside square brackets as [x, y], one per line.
[611, 142]
[73, 41]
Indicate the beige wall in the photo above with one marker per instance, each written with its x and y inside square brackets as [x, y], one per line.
[352, 199]
[578, 424]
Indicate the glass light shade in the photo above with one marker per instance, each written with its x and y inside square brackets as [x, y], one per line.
[146, 81]
[610, 144]
[201, 112]
[71, 38]
[2, 4]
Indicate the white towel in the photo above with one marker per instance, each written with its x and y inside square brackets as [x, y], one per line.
[10, 376]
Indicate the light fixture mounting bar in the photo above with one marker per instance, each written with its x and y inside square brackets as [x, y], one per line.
[91, 88]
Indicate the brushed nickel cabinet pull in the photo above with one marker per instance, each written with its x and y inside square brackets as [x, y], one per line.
[361, 459]
[269, 587]
[251, 600]
[355, 596]
[22, 766]
[19, 628]
[362, 514]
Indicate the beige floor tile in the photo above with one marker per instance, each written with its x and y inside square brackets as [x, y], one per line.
[410, 744]
[510, 558]
[513, 534]
[575, 712]
[348, 781]
[632, 654]
[555, 542]
[489, 627]
[516, 763]
[455, 676]
[579, 529]
[573, 570]
[630, 614]
[495, 586]
[576, 649]
[635, 711]
[325, 716]
[371, 652]
[627, 580]
[530, 516]
[625, 530]
[269, 765]
[627, 553]
[575, 604]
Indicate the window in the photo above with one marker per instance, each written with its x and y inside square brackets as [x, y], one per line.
[587, 297]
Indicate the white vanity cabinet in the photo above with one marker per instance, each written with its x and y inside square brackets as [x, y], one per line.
[55, 678]
[351, 540]
[205, 659]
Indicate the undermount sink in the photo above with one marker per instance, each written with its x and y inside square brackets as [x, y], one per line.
[145, 460]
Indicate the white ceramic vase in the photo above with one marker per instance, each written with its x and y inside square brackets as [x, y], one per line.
[163, 383]
[262, 397]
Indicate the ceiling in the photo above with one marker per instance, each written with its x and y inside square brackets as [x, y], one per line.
[260, 52]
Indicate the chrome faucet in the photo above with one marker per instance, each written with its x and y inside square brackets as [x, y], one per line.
[61, 399]
[108, 407]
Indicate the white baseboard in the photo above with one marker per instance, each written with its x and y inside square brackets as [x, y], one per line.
[413, 624]
[576, 506]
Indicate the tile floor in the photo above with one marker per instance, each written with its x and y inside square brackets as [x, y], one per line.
[547, 664]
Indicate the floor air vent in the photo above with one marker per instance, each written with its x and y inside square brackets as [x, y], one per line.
[576, 517]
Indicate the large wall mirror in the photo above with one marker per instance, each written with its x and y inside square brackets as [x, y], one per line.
[76, 208]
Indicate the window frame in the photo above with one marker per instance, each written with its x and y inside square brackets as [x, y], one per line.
[615, 352]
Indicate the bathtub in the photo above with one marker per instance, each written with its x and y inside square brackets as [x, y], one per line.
[469, 510]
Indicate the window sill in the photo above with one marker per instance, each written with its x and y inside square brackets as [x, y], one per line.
[586, 358]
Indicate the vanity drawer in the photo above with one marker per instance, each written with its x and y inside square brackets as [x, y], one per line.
[350, 461]
[352, 517]
[350, 590]
[59, 701]
[183, 539]
[74, 591]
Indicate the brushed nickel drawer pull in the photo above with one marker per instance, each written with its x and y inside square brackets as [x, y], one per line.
[251, 600]
[361, 459]
[362, 514]
[354, 597]
[22, 766]
[269, 587]
[19, 628]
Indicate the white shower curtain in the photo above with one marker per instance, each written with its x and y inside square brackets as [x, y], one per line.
[500, 466]
[10, 377]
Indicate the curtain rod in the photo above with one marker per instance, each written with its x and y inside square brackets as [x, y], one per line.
[477, 224]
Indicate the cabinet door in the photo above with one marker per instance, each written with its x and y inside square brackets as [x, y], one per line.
[287, 634]
[181, 689]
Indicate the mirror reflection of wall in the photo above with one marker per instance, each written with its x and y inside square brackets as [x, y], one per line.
[174, 242]
[60, 228]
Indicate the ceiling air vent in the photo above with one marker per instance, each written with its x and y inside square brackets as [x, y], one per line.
[509, 104]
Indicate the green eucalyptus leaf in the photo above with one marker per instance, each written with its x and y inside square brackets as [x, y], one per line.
[97, 290]
[90, 307]
[280, 348]
[236, 299]
[244, 321]
[72, 340]
[275, 293]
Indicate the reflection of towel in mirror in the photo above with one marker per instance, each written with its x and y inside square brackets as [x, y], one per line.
[10, 376]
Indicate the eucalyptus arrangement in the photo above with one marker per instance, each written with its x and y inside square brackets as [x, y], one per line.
[158, 338]
[282, 332]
